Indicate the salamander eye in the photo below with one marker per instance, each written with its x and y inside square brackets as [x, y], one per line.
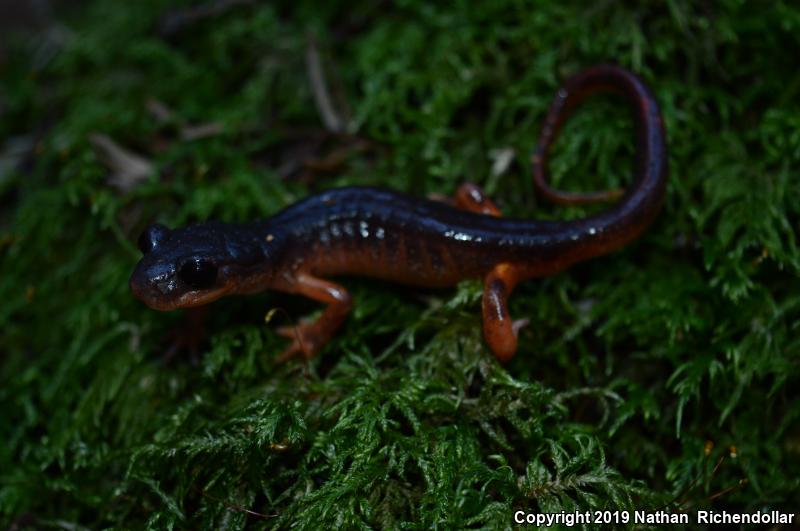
[198, 273]
[151, 237]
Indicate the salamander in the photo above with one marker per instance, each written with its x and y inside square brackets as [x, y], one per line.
[393, 236]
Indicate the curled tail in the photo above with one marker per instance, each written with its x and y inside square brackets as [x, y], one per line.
[640, 204]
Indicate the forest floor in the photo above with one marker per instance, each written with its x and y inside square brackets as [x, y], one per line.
[659, 376]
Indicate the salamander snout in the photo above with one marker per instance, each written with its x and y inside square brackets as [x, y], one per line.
[193, 265]
[167, 285]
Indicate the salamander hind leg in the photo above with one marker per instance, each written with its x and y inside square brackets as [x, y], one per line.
[310, 336]
[499, 330]
[470, 196]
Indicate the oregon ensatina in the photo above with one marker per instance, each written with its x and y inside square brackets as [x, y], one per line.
[397, 237]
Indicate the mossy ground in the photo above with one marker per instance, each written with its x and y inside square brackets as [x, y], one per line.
[631, 363]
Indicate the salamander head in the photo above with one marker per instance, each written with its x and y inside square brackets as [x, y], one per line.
[194, 265]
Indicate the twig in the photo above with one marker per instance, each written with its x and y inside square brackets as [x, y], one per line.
[235, 507]
[196, 132]
[319, 88]
[165, 115]
[127, 168]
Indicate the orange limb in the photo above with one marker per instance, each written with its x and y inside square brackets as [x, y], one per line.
[499, 330]
[470, 196]
[310, 336]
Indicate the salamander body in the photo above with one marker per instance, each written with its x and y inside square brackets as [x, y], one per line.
[400, 238]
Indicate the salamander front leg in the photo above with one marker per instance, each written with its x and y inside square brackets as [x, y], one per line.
[309, 337]
[499, 331]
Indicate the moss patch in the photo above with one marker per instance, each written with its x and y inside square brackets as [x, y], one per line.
[631, 364]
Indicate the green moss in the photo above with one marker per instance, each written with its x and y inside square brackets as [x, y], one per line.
[631, 362]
